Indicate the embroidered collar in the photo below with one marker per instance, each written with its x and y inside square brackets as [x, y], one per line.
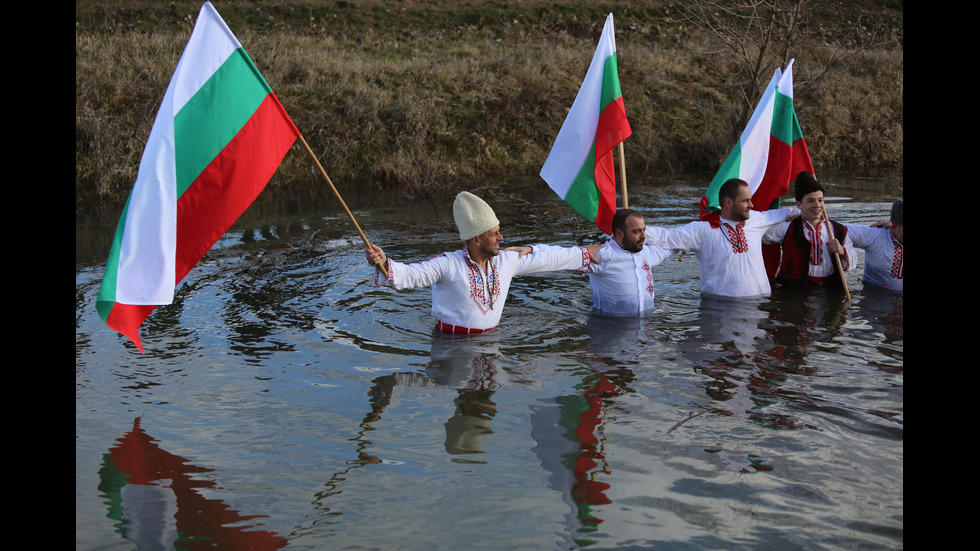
[733, 231]
[816, 243]
[483, 295]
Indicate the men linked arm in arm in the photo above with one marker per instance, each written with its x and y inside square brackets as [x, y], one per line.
[729, 253]
[469, 286]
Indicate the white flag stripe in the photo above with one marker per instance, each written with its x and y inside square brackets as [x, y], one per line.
[754, 144]
[147, 267]
[755, 139]
[786, 82]
[146, 273]
[210, 45]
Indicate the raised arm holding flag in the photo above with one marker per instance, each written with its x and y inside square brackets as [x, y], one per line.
[218, 137]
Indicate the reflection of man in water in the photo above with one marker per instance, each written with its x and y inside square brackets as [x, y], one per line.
[732, 348]
[884, 260]
[729, 254]
[807, 250]
[469, 365]
[469, 286]
[622, 281]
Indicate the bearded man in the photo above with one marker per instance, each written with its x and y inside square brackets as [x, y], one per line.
[729, 253]
[884, 250]
[622, 281]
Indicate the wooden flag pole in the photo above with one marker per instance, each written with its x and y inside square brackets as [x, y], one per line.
[622, 174]
[840, 270]
[367, 243]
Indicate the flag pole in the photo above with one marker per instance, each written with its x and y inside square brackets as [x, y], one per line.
[840, 270]
[367, 243]
[622, 174]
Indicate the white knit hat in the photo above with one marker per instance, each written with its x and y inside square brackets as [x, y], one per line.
[473, 215]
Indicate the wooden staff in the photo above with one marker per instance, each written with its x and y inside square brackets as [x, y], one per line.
[622, 174]
[840, 270]
[341, 199]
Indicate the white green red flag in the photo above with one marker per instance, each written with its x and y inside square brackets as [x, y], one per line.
[770, 152]
[218, 138]
[580, 167]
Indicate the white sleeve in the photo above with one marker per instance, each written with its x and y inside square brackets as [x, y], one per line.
[776, 234]
[861, 236]
[550, 258]
[417, 274]
[659, 254]
[850, 252]
[685, 238]
[776, 216]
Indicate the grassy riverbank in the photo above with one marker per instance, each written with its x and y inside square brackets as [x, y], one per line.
[430, 96]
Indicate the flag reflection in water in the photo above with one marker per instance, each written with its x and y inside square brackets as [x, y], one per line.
[575, 456]
[153, 496]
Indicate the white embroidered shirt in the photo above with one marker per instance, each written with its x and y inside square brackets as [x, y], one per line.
[883, 256]
[622, 282]
[466, 296]
[730, 266]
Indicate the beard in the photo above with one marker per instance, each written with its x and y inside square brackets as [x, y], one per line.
[633, 247]
[741, 216]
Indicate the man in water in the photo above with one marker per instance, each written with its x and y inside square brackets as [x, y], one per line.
[807, 249]
[469, 286]
[884, 260]
[730, 253]
[622, 281]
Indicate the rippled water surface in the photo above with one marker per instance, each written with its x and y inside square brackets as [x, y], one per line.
[284, 401]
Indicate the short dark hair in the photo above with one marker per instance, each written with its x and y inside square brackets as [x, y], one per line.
[897, 214]
[730, 189]
[619, 219]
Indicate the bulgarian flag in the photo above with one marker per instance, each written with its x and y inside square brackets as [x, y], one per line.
[218, 138]
[770, 153]
[580, 166]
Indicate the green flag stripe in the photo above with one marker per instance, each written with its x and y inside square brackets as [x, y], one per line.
[201, 131]
[107, 291]
[610, 82]
[785, 125]
[583, 195]
[730, 169]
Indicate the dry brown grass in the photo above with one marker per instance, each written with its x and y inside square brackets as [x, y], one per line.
[388, 102]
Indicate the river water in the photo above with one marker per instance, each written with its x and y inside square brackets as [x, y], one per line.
[284, 401]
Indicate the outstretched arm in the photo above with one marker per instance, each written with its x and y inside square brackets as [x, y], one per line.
[526, 249]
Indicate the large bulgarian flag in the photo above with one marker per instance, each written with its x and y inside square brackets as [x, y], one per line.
[580, 166]
[218, 138]
[770, 152]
